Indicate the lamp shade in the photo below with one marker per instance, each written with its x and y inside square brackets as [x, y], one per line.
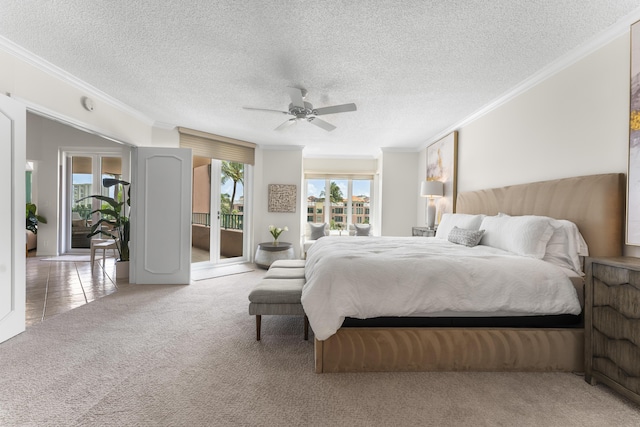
[432, 189]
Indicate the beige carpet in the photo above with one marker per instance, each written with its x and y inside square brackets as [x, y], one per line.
[187, 356]
[220, 271]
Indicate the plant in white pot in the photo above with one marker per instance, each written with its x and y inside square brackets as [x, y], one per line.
[114, 221]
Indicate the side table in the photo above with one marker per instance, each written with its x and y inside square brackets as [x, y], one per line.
[268, 252]
[423, 231]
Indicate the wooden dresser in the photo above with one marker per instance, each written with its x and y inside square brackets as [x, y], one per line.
[612, 324]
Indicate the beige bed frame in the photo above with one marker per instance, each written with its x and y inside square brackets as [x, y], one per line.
[595, 203]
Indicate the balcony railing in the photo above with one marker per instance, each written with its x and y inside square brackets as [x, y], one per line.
[227, 221]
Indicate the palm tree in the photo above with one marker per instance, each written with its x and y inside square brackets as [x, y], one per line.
[335, 194]
[232, 171]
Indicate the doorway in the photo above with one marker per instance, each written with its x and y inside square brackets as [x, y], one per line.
[84, 174]
[218, 232]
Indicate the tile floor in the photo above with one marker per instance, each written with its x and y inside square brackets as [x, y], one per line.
[54, 287]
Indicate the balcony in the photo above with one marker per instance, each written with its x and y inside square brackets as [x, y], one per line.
[231, 233]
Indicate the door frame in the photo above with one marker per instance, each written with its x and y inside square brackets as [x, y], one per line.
[64, 227]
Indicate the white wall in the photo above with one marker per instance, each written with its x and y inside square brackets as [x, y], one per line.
[60, 95]
[573, 123]
[338, 166]
[400, 192]
[277, 166]
[45, 139]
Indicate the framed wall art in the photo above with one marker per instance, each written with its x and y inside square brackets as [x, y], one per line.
[442, 162]
[633, 175]
[282, 198]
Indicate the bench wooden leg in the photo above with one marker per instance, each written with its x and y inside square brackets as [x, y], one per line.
[306, 328]
[258, 321]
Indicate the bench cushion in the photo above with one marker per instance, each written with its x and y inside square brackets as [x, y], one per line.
[284, 273]
[288, 263]
[277, 291]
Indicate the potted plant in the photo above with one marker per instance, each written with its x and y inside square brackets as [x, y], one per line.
[113, 221]
[33, 218]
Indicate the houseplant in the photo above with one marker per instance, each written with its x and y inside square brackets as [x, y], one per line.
[113, 221]
[276, 232]
[33, 218]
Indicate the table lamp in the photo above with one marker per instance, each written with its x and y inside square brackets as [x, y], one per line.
[431, 189]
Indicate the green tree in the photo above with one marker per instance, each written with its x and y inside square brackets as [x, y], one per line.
[335, 194]
[233, 171]
[225, 204]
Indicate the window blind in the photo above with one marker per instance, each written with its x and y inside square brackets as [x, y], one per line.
[334, 176]
[217, 147]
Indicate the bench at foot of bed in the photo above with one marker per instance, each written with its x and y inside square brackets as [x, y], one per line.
[279, 293]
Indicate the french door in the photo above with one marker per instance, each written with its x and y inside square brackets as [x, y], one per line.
[219, 234]
[84, 175]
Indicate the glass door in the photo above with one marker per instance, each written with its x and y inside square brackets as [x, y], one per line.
[218, 226]
[86, 172]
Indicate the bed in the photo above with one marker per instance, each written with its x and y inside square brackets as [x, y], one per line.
[594, 203]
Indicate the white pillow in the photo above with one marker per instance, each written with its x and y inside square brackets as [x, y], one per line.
[450, 220]
[566, 246]
[525, 235]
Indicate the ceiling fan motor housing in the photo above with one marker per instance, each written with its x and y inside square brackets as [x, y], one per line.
[300, 112]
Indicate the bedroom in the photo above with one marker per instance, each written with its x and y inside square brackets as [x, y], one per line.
[572, 123]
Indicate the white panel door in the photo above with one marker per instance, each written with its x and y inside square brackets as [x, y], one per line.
[161, 216]
[13, 124]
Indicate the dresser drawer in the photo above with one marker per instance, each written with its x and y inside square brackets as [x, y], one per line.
[615, 324]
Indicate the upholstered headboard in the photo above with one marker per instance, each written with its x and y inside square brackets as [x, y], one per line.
[595, 203]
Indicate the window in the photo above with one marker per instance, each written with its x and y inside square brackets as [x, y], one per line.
[345, 200]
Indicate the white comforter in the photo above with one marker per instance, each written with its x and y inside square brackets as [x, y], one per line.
[407, 276]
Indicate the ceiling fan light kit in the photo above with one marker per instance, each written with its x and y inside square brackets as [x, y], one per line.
[302, 110]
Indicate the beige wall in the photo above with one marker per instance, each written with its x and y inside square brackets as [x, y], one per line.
[573, 123]
[277, 166]
[399, 192]
[54, 92]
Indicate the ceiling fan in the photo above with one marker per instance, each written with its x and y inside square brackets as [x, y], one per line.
[302, 110]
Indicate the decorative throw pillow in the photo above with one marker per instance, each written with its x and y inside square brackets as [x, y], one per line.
[317, 231]
[362, 229]
[465, 237]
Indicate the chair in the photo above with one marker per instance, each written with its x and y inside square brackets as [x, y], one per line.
[104, 244]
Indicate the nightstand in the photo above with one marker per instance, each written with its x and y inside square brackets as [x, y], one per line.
[423, 232]
[612, 324]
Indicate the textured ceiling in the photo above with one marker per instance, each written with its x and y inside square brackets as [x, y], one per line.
[413, 67]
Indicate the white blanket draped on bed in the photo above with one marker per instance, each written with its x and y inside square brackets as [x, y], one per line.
[364, 277]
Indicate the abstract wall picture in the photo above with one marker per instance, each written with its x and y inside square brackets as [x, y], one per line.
[442, 162]
[633, 177]
[282, 198]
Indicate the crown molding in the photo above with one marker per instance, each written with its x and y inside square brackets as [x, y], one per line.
[54, 71]
[72, 122]
[600, 40]
[281, 147]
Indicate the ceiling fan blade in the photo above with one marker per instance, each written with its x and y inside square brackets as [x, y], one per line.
[321, 124]
[296, 97]
[286, 124]
[335, 109]
[266, 109]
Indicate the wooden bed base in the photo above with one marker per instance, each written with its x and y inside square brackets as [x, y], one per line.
[594, 203]
[451, 349]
